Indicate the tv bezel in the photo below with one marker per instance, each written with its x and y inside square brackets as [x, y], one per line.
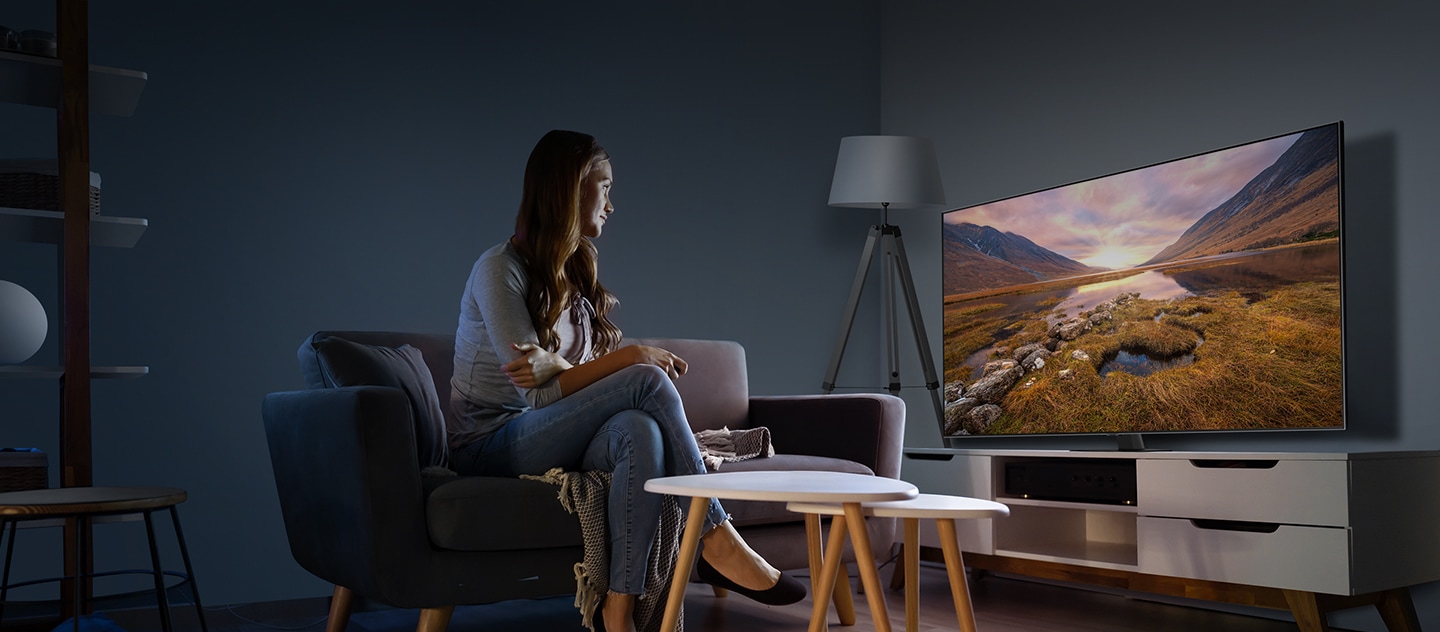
[1133, 441]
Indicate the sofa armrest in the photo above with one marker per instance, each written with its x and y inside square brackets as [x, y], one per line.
[868, 428]
[350, 491]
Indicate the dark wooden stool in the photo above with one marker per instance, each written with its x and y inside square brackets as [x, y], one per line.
[84, 504]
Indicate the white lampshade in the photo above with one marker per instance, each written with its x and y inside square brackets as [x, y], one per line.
[22, 324]
[872, 171]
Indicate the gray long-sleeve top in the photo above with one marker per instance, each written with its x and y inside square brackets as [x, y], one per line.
[492, 316]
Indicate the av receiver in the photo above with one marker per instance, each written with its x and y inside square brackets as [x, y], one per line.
[1104, 481]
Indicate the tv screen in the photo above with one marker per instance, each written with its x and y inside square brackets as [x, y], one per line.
[1198, 294]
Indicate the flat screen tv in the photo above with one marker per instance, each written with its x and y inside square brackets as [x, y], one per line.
[1197, 294]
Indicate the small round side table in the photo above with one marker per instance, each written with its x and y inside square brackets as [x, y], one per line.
[945, 510]
[84, 504]
[846, 490]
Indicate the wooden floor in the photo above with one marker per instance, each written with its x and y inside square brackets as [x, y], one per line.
[1002, 604]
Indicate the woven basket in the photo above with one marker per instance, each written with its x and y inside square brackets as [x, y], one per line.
[35, 185]
[23, 469]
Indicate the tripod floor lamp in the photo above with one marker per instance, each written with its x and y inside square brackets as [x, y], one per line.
[883, 172]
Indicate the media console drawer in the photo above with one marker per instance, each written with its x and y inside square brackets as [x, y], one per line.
[1295, 492]
[1315, 559]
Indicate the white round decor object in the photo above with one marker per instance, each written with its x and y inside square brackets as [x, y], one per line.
[23, 324]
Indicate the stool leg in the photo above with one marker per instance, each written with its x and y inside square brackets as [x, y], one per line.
[80, 554]
[955, 568]
[869, 575]
[162, 601]
[912, 574]
[822, 590]
[189, 572]
[5, 579]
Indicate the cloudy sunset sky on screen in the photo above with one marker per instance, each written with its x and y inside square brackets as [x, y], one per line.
[1123, 220]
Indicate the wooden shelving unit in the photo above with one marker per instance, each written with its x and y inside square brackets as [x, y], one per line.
[74, 89]
[48, 227]
[34, 80]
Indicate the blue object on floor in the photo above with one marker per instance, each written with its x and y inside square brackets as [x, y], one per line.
[90, 623]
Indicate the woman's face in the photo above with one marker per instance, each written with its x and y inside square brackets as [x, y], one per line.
[595, 204]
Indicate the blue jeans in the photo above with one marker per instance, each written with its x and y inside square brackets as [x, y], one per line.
[630, 424]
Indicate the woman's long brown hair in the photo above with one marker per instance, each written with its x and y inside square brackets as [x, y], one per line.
[558, 259]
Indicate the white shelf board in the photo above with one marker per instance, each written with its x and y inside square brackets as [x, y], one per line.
[34, 371]
[48, 227]
[1094, 554]
[1036, 502]
[35, 80]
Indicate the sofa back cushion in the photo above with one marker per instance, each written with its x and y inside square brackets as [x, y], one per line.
[716, 387]
[330, 360]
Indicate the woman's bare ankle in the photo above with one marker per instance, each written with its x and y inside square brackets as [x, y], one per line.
[618, 612]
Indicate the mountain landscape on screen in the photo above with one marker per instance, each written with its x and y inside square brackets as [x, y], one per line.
[1197, 294]
[1292, 200]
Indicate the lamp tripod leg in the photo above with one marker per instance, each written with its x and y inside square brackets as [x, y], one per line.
[848, 320]
[898, 264]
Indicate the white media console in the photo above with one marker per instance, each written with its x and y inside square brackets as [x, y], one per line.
[1309, 532]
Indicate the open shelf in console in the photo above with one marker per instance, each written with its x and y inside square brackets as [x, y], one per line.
[1073, 510]
[1093, 537]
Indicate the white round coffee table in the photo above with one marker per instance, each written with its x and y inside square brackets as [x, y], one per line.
[846, 490]
[945, 510]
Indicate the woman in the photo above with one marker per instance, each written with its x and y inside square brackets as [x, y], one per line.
[540, 381]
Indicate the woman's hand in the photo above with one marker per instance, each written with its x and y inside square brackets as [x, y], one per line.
[535, 366]
[673, 365]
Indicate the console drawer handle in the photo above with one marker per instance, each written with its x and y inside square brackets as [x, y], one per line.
[925, 456]
[1235, 525]
[1247, 464]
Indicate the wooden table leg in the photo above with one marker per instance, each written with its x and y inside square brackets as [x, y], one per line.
[828, 570]
[815, 553]
[912, 573]
[955, 569]
[869, 575]
[689, 543]
[841, 594]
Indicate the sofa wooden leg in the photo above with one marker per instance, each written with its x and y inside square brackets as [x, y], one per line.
[897, 578]
[435, 619]
[340, 605]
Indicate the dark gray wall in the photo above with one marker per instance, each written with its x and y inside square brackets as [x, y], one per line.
[341, 165]
[1025, 96]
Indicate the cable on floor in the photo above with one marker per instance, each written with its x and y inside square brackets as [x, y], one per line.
[269, 626]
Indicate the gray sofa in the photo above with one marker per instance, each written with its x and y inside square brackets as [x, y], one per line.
[360, 514]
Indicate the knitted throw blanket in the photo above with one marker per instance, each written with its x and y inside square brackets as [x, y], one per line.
[727, 446]
[586, 494]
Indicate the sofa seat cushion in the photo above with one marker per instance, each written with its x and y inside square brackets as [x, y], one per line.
[745, 513]
[485, 513]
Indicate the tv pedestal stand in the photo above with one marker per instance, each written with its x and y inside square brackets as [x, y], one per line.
[1310, 533]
